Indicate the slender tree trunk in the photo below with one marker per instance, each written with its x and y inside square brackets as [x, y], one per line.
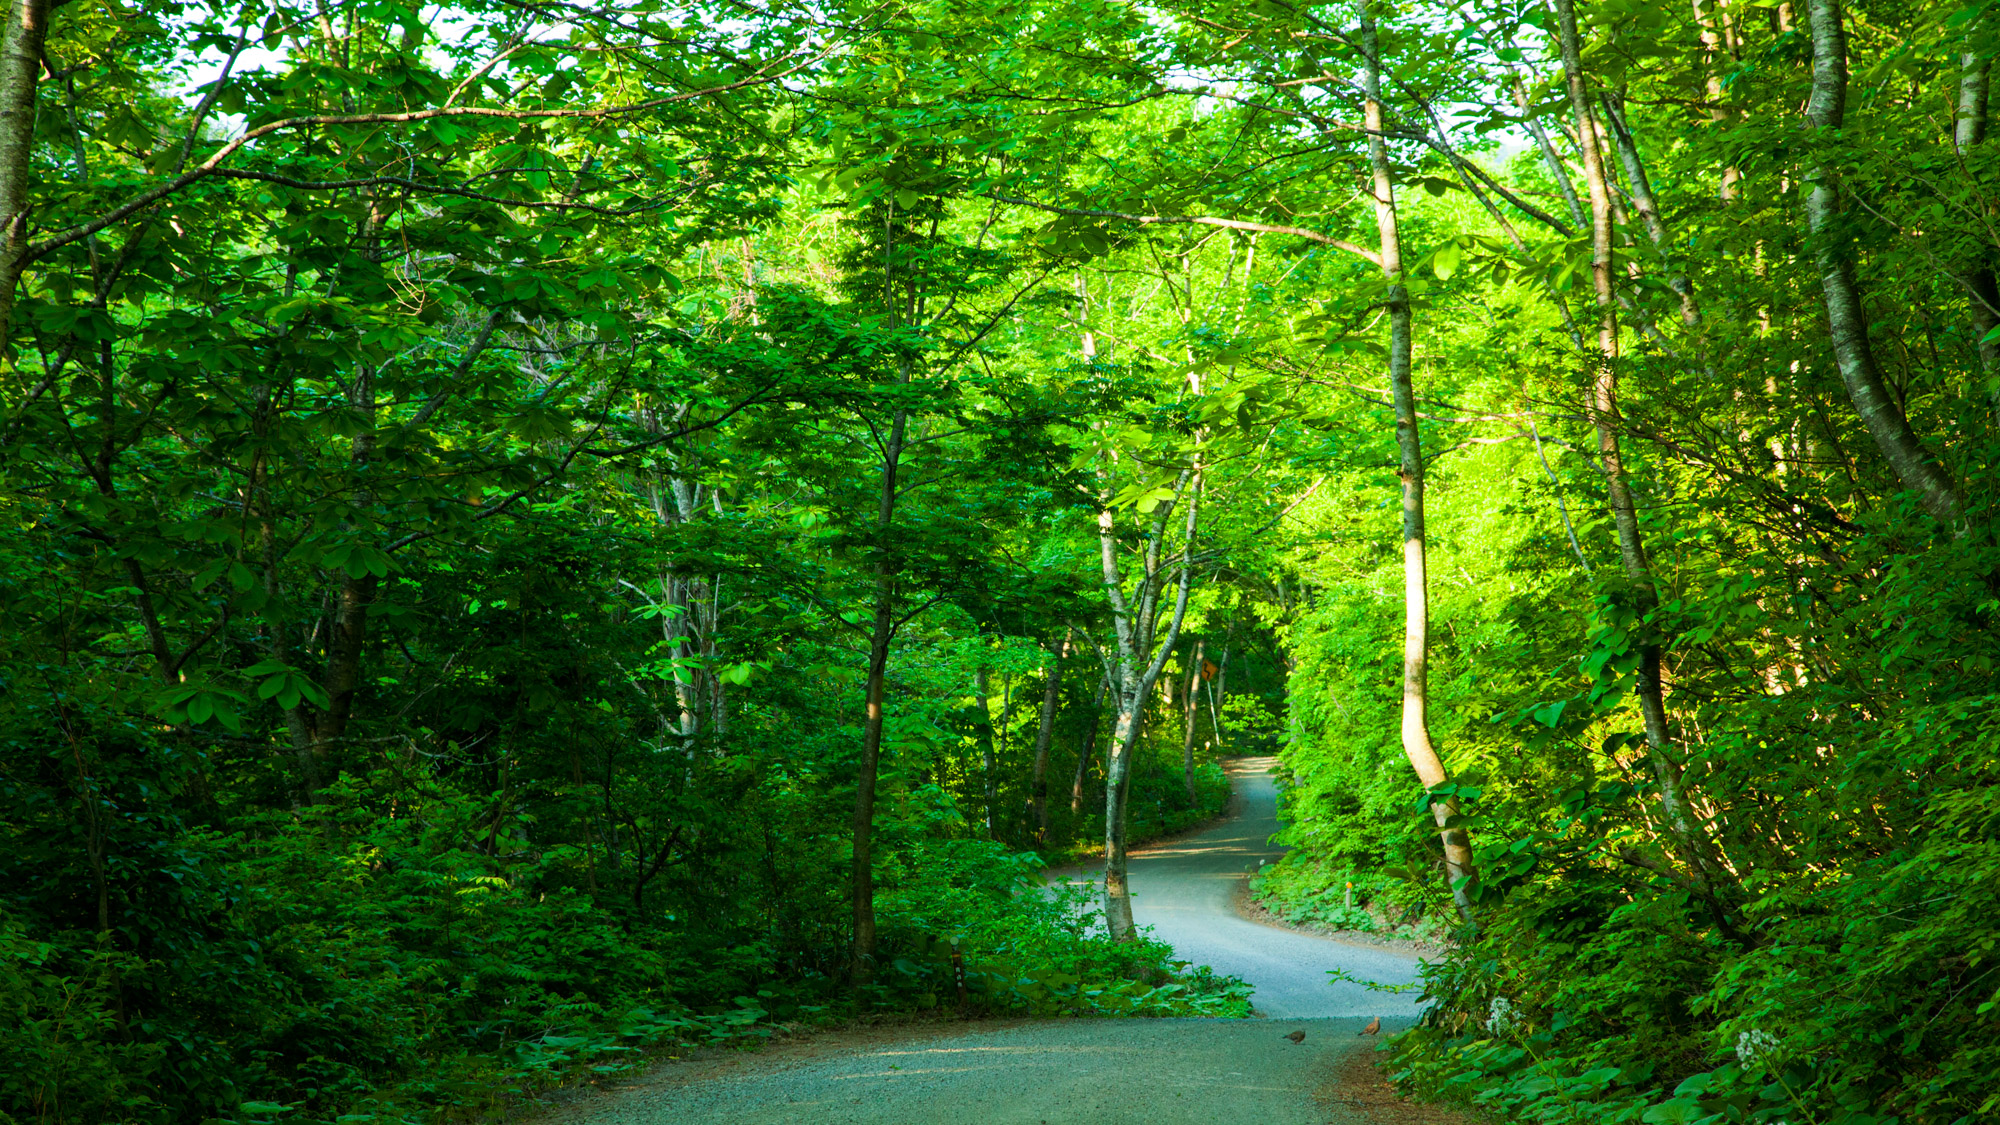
[1643, 201]
[1218, 696]
[1417, 745]
[1117, 791]
[1969, 132]
[1083, 755]
[1605, 419]
[1550, 156]
[1969, 127]
[1716, 33]
[21, 42]
[983, 731]
[1045, 728]
[861, 968]
[1191, 713]
[1134, 621]
[690, 632]
[1847, 323]
[1555, 489]
[718, 692]
[349, 636]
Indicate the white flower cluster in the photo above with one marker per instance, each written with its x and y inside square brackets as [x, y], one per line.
[1755, 1048]
[1500, 1015]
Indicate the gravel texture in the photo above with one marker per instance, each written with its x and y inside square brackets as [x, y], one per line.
[1099, 1071]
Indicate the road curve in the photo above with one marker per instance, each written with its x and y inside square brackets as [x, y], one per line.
[1185, 890]
[1101, 1071]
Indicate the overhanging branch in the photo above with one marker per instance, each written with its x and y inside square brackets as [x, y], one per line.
[1194, 220]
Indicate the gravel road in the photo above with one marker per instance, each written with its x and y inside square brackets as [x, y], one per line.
[1101, 1071]
[1185, 891]
[1059, 1072]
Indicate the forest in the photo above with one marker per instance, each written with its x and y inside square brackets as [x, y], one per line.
[532, 532]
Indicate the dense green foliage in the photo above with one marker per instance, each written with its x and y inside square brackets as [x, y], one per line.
[533, 533]
[430, 571]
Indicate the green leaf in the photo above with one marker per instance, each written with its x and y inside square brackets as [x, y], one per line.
[1444, 263]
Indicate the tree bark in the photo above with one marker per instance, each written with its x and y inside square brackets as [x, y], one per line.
[1191, 713]
[1969, 126]
[349, 635]
[861, 966]
[1417, 744]
[1847, 324]
[983, 731]
[1643, 201]
[1045, 728]
[1969, 132]
[1083, 755]
[1218, 696]
[1134, 621]
[1550, 157]
[678, 498]
[1605, 420]
[21, 40]
[1717, 33]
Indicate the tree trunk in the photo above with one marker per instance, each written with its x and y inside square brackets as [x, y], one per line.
[349, 635]
[1089, 747]
[1969, 132]
[677, 499]
[1716, 34]
[1550, 157]
[1191, 713]
[1643, 201]
[20, 69]
[1218, 696]
[983, 732]
[1135, 621]
[1847, 324]
[861, 967]
[1045, 728]
[1417, 745]
[1604, 418]
[1117, 791]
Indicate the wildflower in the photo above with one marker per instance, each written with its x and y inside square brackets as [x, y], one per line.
[1757, 1048]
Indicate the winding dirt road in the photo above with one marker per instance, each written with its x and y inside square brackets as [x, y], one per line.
[1095, 1071]
[1186, 890]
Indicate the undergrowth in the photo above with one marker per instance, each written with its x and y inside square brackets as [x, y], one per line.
[336, 966]
[1301, 891]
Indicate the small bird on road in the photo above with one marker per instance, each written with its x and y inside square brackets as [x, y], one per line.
[1297, 1037]
[1374, 1026]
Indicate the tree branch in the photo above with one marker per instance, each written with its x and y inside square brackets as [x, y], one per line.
[213, 165]
[1196, 220]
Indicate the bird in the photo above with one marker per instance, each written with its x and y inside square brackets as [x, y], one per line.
[1297, 1037]
[1374, 1026]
